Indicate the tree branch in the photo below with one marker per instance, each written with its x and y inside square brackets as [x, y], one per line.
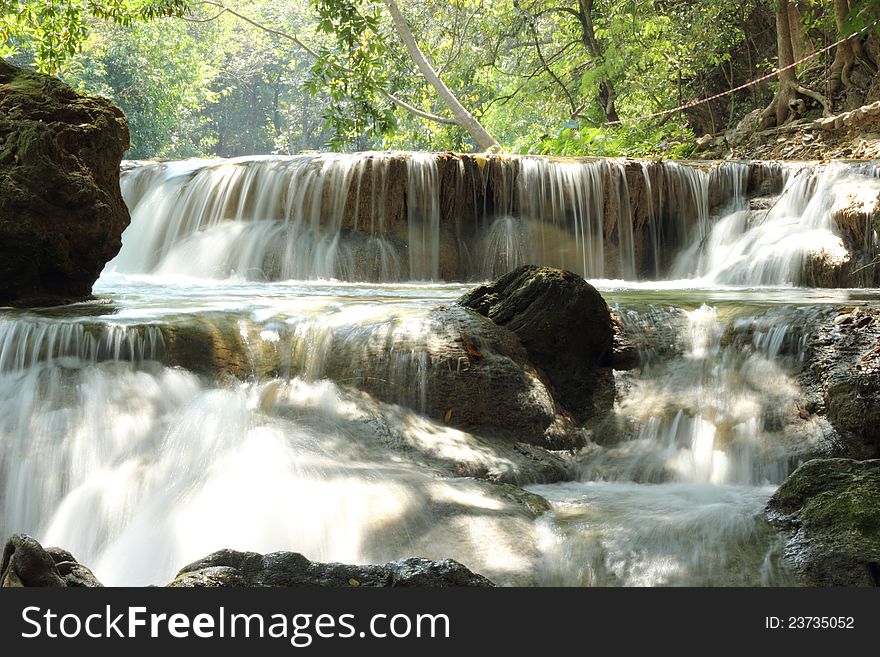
[550, 70]
[414, 110]
[313, 53]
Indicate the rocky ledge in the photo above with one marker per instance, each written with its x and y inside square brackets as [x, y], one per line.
[842, 375]
[27, 563]
[830, 510]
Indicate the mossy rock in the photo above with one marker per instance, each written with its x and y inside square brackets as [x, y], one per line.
[831, 509]
[61, 208]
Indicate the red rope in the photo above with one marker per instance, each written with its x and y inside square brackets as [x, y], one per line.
[694, 103]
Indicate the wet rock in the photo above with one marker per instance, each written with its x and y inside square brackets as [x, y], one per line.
[61, 209]
[291, 569]
[624, 353]
[565, 327]
[447, 363]
[827, 268]
[842, 369]
[451, 365]
[72, 572]
[831, 510]
[858, 220]
[27, 563]
[208, 346]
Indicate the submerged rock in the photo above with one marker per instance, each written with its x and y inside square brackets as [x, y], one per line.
[842, 370]
[831, 509]
[232, 568]
[564, 325]
[61, 208]
[27, 563]
[446, 363]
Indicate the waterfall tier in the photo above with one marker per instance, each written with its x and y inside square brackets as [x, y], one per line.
[388, 217]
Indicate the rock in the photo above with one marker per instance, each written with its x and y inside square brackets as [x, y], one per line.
[842, 369]
[291, 569]
[72, 572]
[827, 123]
[449, 364]
[857, 218]
[747, 126]
[565, 327]
[704, 142]
[27, 563]
[61, 209]
[827, 267]
[831, 510]
[624, 353]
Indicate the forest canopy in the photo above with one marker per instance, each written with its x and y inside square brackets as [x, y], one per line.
[565, 77]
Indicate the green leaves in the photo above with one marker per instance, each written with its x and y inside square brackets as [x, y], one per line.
[353, 71]
[56, 31]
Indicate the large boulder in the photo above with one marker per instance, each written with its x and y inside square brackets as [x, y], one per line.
[564, 325]
[231, 568]
[61, 209]
[842, 372]
[831, 511]
[448, 364]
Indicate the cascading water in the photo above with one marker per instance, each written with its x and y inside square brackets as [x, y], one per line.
[226, 398]
[706, 437]
[773, 245]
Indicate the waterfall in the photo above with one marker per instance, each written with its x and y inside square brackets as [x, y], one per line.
[389, 217]
[677, 499]
[565, 200]
[779, 241]
[423, 217]
[275, 361]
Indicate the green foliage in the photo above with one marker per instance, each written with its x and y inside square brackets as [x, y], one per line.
[351, 69]
[55, 31]
[522, 67]
[162, 96]
[643, 139]
[864, 13]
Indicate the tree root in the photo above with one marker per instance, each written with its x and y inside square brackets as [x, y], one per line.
[815, 95]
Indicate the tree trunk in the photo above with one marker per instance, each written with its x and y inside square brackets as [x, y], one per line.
[844, 57]
[800, 41]
[462, 117]
[606, 95]
[785, 102]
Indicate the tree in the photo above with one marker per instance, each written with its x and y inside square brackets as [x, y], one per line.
[606, 94]
[788, 101]
[462, 116]
[56, 30]
[163, 97]
[849, 54]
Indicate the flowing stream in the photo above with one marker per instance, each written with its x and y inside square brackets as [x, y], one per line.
[199, 403]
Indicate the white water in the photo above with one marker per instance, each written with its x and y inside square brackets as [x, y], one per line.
[139, 468]
[772, 246]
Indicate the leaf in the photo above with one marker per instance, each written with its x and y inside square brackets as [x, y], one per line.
[354, 582]
[447, 416]
[472, 350]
